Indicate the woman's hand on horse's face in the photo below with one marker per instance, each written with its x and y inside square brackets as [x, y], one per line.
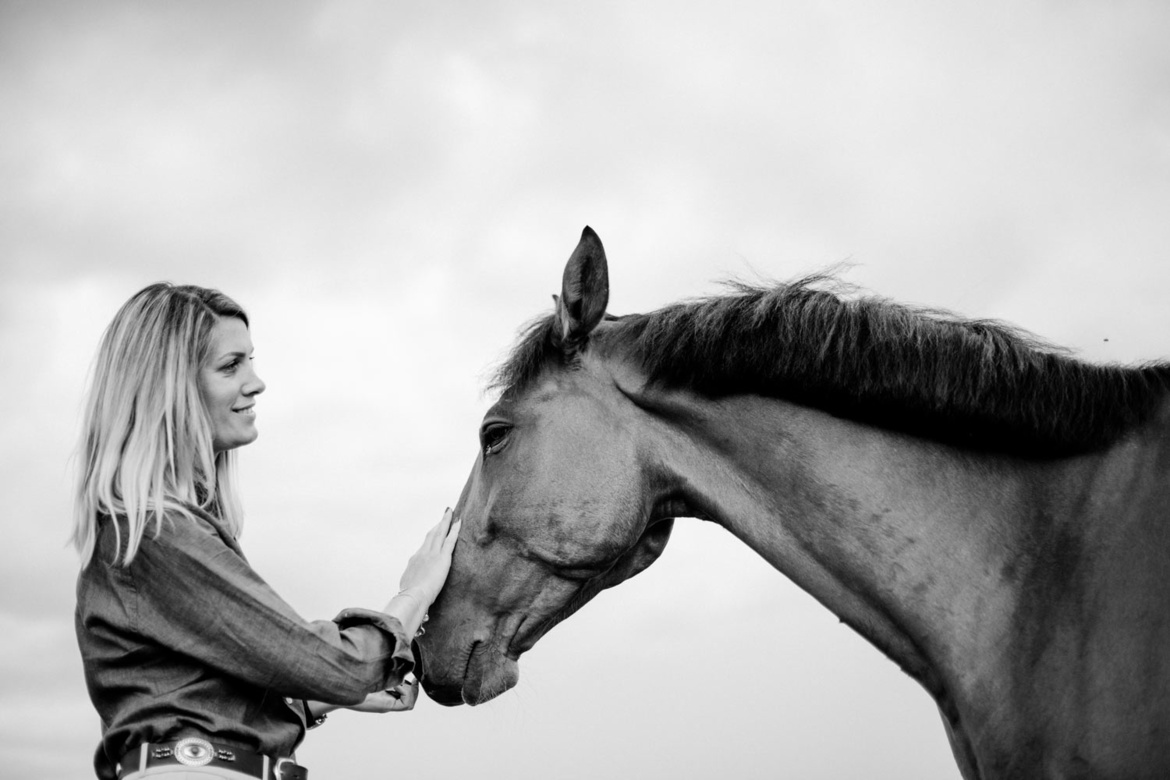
[400, 698]
[427, 569]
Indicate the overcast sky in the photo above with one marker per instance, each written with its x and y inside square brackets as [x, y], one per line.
[392, 189]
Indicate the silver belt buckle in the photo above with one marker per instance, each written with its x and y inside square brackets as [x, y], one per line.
[194, 751]
[278, 768]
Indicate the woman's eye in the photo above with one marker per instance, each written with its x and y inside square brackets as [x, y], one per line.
[492, 438]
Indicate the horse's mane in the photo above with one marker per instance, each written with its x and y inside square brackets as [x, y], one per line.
[977, 384]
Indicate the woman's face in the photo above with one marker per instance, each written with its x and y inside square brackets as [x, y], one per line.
[229, 385]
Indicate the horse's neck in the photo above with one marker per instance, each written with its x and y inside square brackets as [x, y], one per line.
[1022, 595]
[903, 540]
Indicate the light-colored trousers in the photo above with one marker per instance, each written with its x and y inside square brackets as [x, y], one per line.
[187, 773]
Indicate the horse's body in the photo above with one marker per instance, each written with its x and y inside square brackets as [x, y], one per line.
[999, 530]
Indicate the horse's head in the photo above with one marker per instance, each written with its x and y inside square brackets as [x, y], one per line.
[558, 506]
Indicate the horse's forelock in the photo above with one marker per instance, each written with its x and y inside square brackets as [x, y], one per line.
[533, 350]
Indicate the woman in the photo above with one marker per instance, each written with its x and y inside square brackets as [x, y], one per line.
[196, 667]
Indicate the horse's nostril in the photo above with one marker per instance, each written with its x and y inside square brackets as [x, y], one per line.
[416, 649]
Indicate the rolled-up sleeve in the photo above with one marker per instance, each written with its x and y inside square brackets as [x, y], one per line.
[196, 593]
[357, 623]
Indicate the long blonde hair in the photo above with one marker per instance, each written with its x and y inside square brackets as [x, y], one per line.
[146, 444]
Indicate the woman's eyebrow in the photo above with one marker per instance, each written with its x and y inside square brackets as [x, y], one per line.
[231, 354]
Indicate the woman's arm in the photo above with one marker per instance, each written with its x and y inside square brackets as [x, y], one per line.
[195, 592]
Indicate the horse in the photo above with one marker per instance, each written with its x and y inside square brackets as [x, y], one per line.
[985, 509]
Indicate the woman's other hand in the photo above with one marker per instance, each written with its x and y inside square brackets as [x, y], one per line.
[400, 698]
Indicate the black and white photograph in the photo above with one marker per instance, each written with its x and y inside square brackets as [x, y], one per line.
[585, 391]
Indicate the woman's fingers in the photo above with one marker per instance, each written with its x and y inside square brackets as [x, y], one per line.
[442, 536]
[400, 698]
[434, 533]
[406, 694]
[428, 567]
[439, 532]
[452, 537]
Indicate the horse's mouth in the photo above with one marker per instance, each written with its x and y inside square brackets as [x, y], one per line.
[476, 646]
[444, 694]
[487, 675]
[484, 678]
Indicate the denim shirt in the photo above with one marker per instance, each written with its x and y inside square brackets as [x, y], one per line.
[189, 640]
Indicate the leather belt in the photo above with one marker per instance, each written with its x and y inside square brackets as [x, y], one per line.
[197, 752]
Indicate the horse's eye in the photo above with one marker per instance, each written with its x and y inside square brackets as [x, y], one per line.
[492, 437]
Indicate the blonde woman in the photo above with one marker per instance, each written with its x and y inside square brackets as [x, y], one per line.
[195, 666]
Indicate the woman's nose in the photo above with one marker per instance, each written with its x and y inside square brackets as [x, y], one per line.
[255, 385]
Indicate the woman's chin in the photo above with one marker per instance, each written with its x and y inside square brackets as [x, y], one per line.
[237, 440]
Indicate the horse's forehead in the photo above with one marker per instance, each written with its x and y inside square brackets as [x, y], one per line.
[558, 386]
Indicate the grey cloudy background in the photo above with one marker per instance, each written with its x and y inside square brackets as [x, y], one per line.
[391, 189]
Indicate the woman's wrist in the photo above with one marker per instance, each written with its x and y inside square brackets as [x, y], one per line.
[410, 607]
[316, 712]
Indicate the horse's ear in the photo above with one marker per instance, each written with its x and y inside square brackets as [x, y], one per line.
[584, 292]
